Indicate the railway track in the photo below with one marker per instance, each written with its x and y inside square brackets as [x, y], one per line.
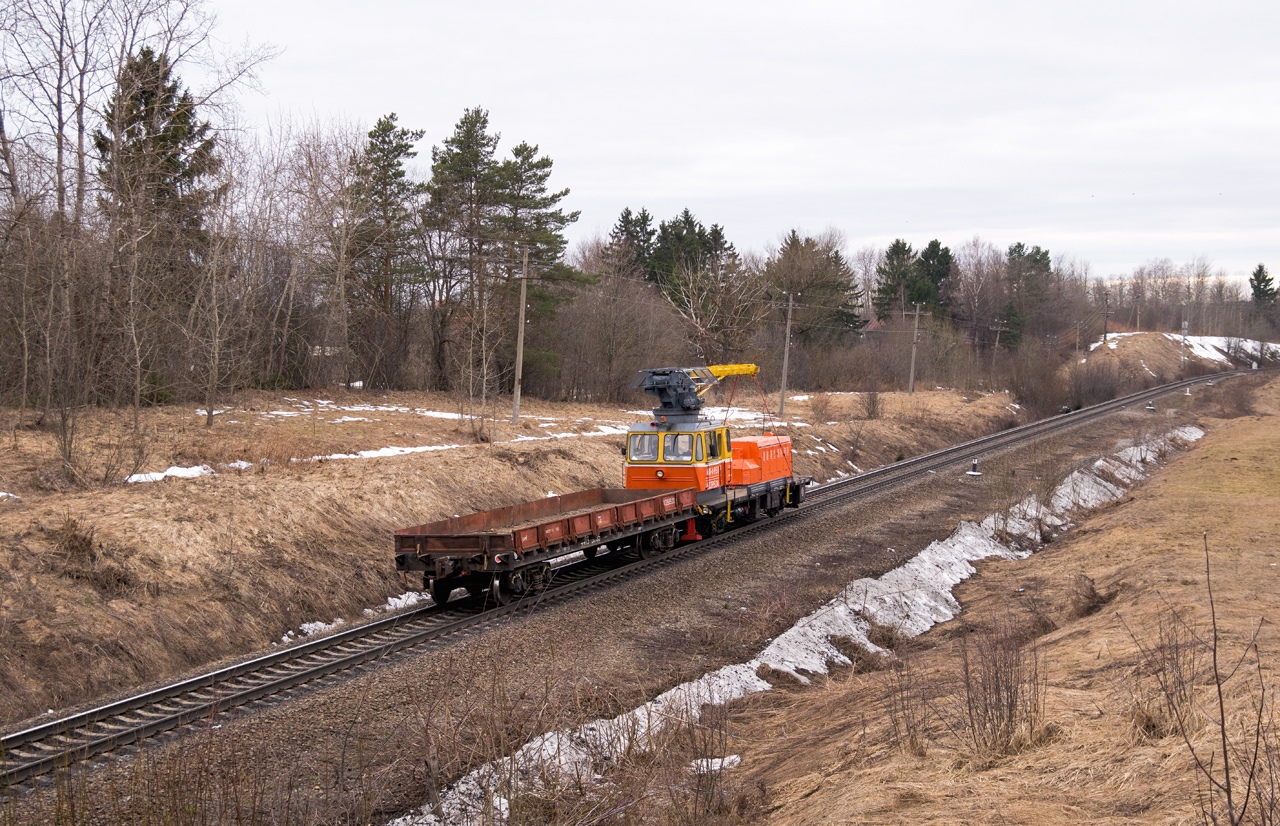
[28, 753]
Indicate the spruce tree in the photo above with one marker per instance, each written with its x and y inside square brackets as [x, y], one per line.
[154, 152]
[896, 280]
[816, 270]
[155, 159]
[683, 243]
[935, 268]
[631, 240]
[1262, 288]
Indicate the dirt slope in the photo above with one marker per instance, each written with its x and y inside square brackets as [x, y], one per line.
[112, 586]
[1107, 751]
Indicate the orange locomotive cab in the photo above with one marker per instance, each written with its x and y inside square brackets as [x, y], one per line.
[746, 477]
[691, 455]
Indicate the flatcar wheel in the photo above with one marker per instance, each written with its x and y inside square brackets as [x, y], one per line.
[441, 589]
[508, 586]
[589, 553]
[500, 589]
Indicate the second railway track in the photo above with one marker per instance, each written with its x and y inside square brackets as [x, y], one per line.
[30, 752]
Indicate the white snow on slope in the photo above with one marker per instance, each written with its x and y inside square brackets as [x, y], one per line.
[1209, 348]
[171, 473]
[911, 598]
[377, 453]
[1112, 339]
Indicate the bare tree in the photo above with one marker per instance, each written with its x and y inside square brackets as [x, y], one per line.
[723, 304]
[975, 290]
[609, 329]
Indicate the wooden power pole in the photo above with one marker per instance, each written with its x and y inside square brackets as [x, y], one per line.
[524, 284]
[786, 355]
[915, 336]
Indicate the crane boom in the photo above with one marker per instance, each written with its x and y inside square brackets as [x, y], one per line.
[680, 389]
[721, 371]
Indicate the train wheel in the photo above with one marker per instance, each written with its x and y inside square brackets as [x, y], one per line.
[656, 542]
[590, 553]
[508, 586]
[441, 589]
[500, 589]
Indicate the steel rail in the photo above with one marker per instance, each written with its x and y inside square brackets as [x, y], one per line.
[36, 750]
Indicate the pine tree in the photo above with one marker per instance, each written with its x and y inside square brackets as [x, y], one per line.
[530, 215]
[494, 210]
[383, 295]
[1027, 273]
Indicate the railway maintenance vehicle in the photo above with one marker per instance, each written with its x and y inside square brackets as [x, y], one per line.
[685, 477]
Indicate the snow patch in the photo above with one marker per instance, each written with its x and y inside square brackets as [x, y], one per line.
[310, 629]
[911, 598]
[708, 765]
[171, 473]
[381, 452]
[406, 600]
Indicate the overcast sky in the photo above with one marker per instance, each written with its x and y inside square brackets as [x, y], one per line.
[1115, 132]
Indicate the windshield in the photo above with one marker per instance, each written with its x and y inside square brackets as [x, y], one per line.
[677, 447]
[644, 447]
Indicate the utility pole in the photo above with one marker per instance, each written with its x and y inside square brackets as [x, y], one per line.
[999, 328]
[1183, 367]
[1106, 313]
[1077, 338]
[786, 355]
[915, 336]
[524, 284]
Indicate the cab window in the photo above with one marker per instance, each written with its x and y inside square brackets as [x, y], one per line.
[644, 447]
[677, 447]
[698, 455]
[713, 444]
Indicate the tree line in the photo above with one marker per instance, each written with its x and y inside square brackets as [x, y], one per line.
[149, 252]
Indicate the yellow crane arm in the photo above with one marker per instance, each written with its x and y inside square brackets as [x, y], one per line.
[720, 371]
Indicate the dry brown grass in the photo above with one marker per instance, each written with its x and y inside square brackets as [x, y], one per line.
[1108, 751]
[171, 575]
